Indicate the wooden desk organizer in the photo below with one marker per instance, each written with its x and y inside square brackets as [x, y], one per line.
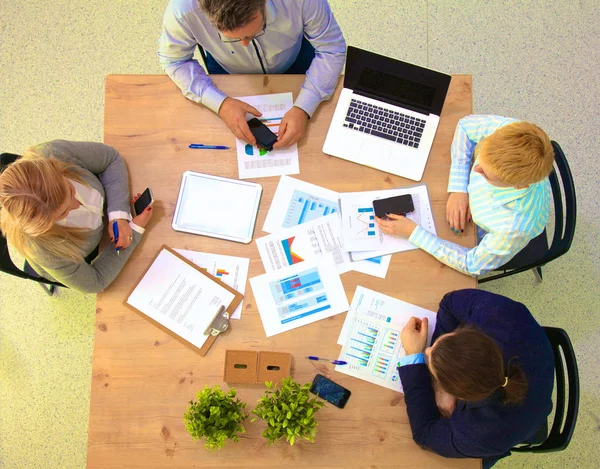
[250, 367]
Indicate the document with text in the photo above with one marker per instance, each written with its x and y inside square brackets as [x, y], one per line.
[255, 162]
[179, 297]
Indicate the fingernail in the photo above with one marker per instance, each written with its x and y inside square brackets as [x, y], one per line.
[462, 231]
[149, 209]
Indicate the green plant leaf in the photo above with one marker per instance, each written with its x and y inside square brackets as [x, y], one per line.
[289, 415]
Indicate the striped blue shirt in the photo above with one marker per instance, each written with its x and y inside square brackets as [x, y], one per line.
[506, 218]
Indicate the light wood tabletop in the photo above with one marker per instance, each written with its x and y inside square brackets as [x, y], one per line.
[143, 378]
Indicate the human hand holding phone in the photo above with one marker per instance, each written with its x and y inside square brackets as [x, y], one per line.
[233, 113]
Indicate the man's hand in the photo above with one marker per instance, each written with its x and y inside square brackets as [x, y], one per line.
[125, 233]
[398, 225]
[233, 112]
[292, 128]
[457, 211]
[414, 336]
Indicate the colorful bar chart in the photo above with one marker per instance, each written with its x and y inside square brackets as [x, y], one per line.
[305, 207]
[390, 339]
[380, 367]
[221, 272]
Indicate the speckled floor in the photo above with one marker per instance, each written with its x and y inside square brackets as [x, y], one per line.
[533, 60]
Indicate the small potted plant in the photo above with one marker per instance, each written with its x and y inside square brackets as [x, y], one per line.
[288, 411]
[216, 416]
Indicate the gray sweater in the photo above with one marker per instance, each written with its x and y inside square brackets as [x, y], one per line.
[104, 170]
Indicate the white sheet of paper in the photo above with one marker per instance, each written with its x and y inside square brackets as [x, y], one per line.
[307, 242]
[254, 162]
[371, 337]
[376, 266]
[298, 295]
[361, 232]
[233, 271]
[296, 202]
[179, 297]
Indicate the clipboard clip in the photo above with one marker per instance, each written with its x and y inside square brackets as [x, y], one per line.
[219, 324]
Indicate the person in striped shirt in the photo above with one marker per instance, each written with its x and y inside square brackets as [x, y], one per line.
[499, 179]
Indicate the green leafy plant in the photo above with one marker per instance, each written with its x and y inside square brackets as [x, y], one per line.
[288, 411]
[216, 416]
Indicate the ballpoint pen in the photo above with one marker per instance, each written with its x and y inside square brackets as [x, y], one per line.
[116, 234]
[335, 362]
[201, 146]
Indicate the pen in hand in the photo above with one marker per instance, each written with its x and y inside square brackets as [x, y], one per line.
[116, 235]
[335, 362]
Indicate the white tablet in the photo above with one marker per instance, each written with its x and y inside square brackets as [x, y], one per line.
[217, 207]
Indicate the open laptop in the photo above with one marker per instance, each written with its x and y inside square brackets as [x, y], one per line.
[387, 114]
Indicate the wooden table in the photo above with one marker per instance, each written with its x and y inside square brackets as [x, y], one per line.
[143, 378]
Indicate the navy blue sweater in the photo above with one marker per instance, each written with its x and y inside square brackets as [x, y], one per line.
[484, 429]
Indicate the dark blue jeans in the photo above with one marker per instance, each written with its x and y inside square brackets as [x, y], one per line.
[300, 65]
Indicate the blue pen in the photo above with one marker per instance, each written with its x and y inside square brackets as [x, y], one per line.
[116, 234]
[201, 146]
[335, 362]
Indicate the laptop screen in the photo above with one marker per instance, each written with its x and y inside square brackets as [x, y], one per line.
[395, 88]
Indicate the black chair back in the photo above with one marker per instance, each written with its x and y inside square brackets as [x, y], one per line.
[567, 401]
[565, 215]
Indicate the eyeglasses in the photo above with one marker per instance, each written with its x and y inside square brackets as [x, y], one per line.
[228, 40]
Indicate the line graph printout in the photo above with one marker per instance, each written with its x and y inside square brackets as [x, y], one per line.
[254, 162]
[361, 232]
[298, 295]
[370, 337]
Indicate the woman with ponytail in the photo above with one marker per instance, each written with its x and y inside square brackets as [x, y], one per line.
[487, 383]
[52, 206]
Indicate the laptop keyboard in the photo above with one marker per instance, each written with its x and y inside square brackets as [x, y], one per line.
[381, 122]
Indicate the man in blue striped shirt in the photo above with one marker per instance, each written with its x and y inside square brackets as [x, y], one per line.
[253, 36]
[506, 193]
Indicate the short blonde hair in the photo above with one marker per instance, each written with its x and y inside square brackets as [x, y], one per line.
[519, 153]
[31, 190]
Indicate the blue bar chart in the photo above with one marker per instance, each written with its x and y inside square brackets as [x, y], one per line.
[305, 207]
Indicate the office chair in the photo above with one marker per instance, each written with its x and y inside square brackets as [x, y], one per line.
[561, 432]
[537, 254]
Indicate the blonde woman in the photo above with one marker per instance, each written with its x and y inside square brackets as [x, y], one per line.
[53, 201]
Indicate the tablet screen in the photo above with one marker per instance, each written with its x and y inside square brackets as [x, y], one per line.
[218, 207]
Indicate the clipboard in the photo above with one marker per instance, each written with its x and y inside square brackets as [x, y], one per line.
[220, 322]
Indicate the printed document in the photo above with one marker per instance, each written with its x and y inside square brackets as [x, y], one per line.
[254, 162]
[179, 297]
[297, 202]
[371, 337]
[310, 241]
[362, 233]
[233, 271]
[298, 295]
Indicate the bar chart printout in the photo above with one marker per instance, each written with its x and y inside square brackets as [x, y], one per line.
[370, 337]
[305, 207]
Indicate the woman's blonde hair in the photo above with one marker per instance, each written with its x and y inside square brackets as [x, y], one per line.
[519, 153]
[31, 190]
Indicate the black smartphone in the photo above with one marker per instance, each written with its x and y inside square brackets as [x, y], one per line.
[263, 135]
[330, 391]
[144, 201]
[399, 205]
